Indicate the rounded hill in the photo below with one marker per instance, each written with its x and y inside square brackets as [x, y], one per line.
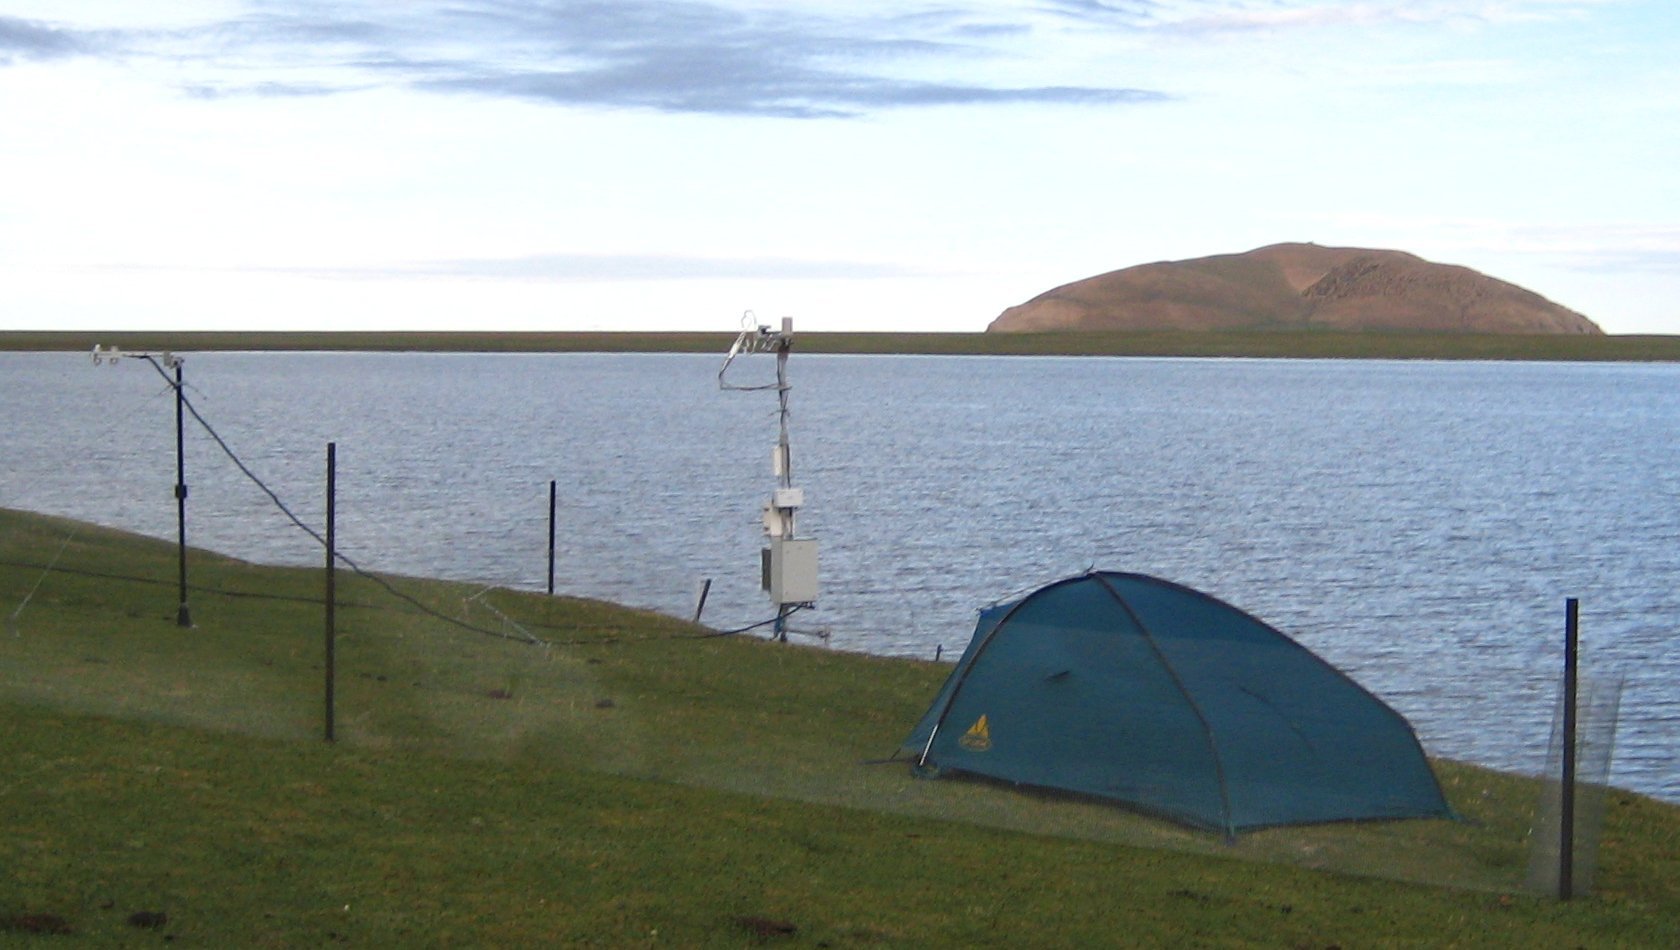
[1295, 287]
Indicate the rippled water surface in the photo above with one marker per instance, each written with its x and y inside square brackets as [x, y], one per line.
[1418, 524]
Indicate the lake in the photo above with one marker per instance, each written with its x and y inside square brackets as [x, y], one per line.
[1418, 524]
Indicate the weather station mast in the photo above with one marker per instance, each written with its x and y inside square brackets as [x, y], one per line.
[787, 562]
[162, 362]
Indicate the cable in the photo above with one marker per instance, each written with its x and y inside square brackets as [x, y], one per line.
[243, 468]
[113, 423]
[302, 599]
[352, 565]
[751, 626]
[12, 618]
[359, 605]
[389, 589]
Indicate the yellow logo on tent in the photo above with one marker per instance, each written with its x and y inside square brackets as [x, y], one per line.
[978, 738]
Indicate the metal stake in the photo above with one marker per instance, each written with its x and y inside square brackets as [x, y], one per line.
[1566, 819]
[332, 572]
[551, 492]
[700, 598]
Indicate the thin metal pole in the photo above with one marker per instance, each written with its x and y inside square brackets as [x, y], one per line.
[779, 631]
[700, 601]
[332, 572]
[782, 389]
[1566, 819]
[551, 494]
[183, 616]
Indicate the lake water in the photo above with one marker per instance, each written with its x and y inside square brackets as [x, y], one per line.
[1418, 524]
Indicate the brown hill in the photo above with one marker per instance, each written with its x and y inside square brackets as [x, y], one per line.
[1294, 286]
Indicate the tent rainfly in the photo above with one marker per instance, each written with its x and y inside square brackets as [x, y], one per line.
[1144, 692]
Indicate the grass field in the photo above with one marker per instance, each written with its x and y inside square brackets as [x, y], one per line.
[627, 782]
[1321, 345]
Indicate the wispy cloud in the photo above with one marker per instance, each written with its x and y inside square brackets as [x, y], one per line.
[1629, 261]
[1241, 16]
[31, 39]
[1608, 248]
[694, 56]
[638, 267]
[1605, 246]
[585, 268]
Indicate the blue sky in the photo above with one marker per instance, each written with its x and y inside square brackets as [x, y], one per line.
[668, 164]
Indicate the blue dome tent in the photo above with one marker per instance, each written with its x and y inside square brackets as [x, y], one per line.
[1144, 692]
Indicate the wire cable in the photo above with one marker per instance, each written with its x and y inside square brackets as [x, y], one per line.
[114, 422]
[749, 627]
[350, 604]
[524, 635]
[337, 555]
[12, 618]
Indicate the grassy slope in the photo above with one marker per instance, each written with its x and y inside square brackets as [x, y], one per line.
[1256, 288]
[1310, 344]
[629, 785]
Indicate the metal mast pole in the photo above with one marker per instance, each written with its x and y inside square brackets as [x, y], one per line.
[784, 457]
[183, 617]
[788, 562]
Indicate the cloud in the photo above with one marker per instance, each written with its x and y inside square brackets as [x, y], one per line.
[683, 81]
[1602, 246]
[590, 268]
[682, 56]
[1616, 248]
[30, 39]
[639, 267]
[1630, 261]
[1209, 17]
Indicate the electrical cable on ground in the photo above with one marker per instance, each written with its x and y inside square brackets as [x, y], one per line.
[752, 626]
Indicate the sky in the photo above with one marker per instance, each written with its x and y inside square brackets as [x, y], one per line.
[866, 165]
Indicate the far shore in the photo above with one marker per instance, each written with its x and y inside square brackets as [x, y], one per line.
[1221, 344]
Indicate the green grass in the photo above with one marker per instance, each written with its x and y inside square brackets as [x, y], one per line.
[630, 784]
[1259, 343]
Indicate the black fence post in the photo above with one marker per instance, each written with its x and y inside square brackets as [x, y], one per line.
[700, 600]
[551, 491]
[1566, 792]
[332, 592]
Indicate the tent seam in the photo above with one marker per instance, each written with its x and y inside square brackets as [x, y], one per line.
[1392, 714]
[975, 658]
[1178, 683]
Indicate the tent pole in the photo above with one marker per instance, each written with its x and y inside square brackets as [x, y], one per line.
[1189, 700]
[973, 654]
[929, 747]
